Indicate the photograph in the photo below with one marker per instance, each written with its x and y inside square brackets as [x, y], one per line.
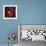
[9, 11]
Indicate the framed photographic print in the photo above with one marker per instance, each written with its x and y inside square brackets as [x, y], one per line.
[9, 11]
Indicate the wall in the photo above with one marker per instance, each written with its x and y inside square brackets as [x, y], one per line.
[29, 12]
[7, 26]
[33, 12]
